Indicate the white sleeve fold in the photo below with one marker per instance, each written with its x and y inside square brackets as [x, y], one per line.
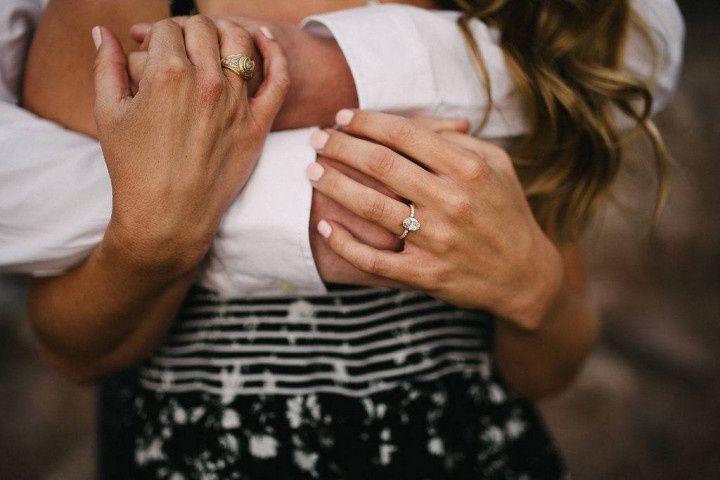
[263, 245]
[55, 195]
[410, 61]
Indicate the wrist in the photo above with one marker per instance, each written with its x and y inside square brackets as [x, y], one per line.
[315, 63]
[544, 290]
[152, 253]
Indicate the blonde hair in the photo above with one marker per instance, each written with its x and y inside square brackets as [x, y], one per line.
[566, 59]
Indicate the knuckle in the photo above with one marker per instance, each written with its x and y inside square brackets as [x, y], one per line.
[475, 170]
[381, 161]
[461, 207]
[402, 132]
[375, 266]
[212, 88]
[172, 70]
[374, 209]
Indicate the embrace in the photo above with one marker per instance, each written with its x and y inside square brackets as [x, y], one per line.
[320, 238]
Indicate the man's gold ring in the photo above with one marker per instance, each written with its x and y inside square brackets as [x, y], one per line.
[241, 64]
[410, 224]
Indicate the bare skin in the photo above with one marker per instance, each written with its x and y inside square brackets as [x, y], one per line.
[81, 319]
[479, 246]
[536, 361]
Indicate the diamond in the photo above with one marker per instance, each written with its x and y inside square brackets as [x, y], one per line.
[411, 224]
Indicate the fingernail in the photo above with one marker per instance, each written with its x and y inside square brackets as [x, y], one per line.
[141, 27]
[97, 37]
[344, 117]
[324, 228]
[268, 34]
[315, 171]
[319, 139]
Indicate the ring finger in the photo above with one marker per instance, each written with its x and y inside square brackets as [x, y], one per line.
[235, 40]
[363, 201]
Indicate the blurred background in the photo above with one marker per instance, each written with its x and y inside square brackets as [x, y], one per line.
[647, 404]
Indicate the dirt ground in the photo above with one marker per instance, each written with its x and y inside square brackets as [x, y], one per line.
[646, 405]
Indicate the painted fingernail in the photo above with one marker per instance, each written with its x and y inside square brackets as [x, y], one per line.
[97, 37]
[319, 139]
[268, 34]
[324, 228]
[315, 171]
[344, 117]
[141, 27]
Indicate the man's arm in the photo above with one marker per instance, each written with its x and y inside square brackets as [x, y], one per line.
[407, 75]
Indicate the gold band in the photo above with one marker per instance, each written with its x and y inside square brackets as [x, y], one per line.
[240, 64]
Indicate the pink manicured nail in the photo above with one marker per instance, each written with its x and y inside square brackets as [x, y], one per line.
[141, 27]
[315, 171]
[319, 139]
[324, 228]
[97, 37]
[268, 34]
[344, 117]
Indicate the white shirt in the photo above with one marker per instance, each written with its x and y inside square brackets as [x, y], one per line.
[55, 195]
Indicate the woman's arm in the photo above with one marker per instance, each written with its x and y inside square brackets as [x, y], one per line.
[540, 362]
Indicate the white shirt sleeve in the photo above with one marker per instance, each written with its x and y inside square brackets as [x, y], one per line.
[55, 189]
[263, 245]
[407, 60]
[55, 194]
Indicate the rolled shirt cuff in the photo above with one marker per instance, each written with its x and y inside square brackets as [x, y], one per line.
[263, 245]
[381, 46]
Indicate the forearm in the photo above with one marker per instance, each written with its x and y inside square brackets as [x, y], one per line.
[543, 361]
[106, 315]
[315, 65]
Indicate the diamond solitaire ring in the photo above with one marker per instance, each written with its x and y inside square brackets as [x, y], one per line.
[410, 224]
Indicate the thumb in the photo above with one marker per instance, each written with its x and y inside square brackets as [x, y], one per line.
[276, 82]
[112, 88]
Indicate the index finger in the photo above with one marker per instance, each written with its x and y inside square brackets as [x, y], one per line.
[406, 137]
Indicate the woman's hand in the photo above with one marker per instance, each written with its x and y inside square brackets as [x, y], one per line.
[479, 245]
[181, 149]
